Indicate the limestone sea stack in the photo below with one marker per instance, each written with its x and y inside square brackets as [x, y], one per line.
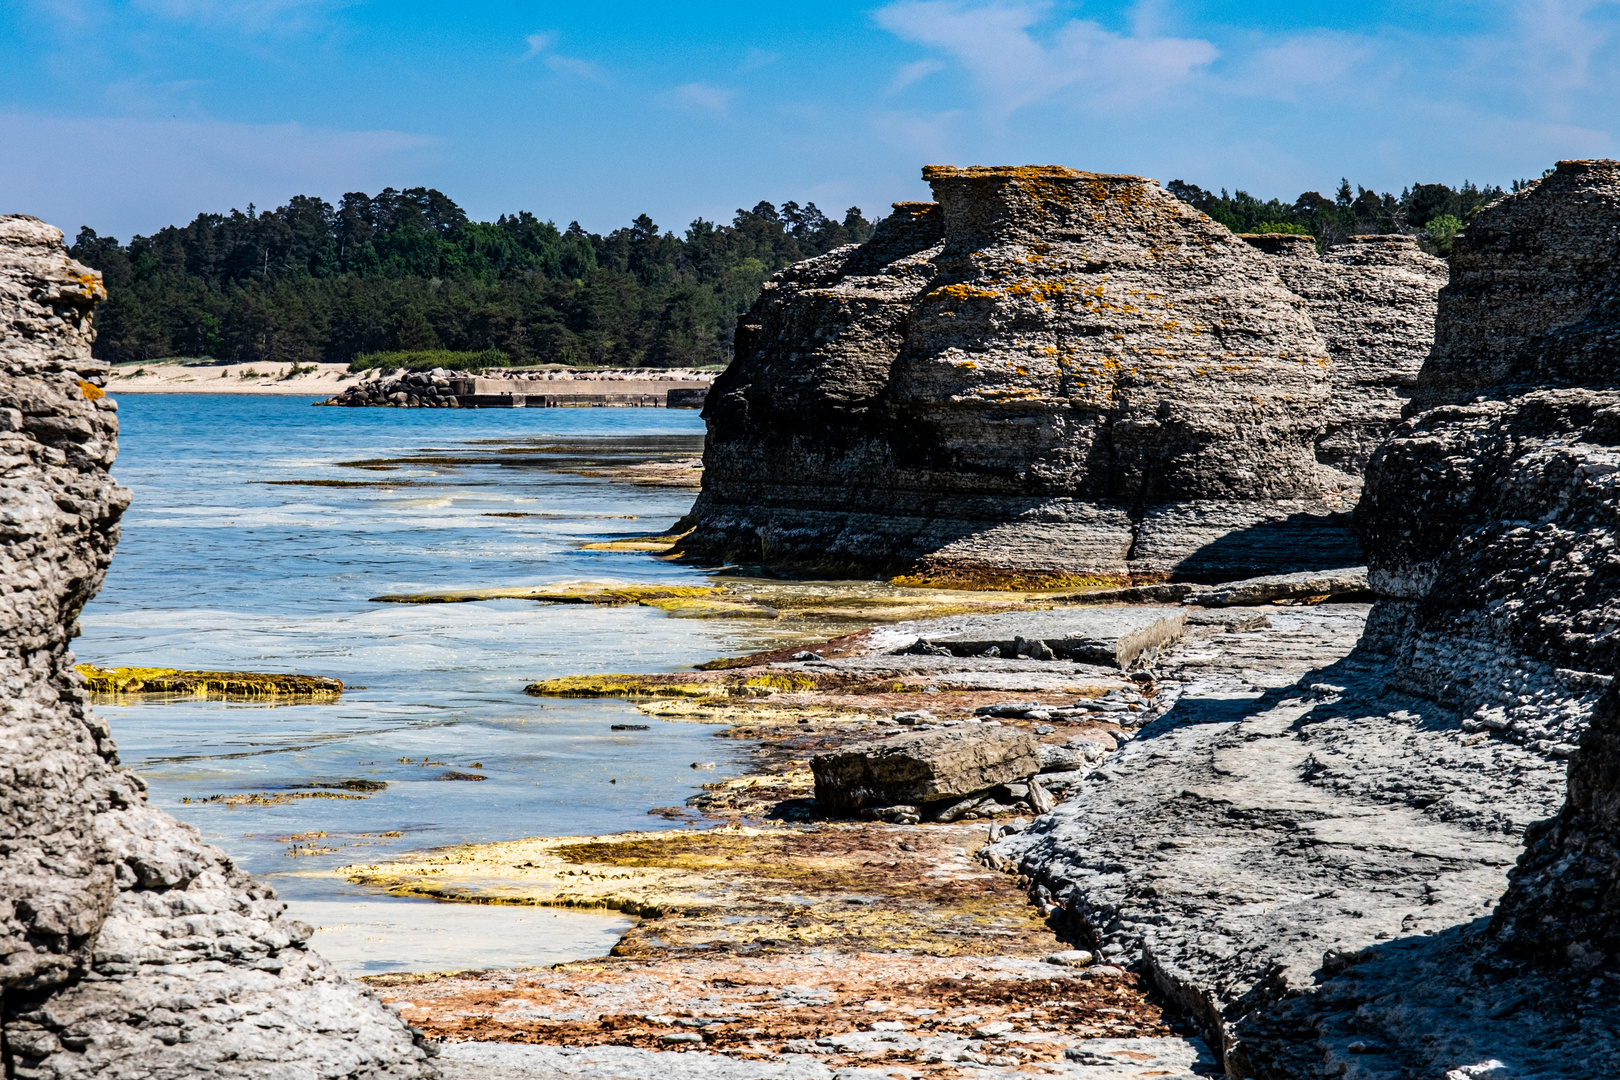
[1373, 300]
[1490, 516]
[128, 947]
[1046, 374]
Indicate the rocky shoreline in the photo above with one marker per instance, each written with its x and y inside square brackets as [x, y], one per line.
[1260, 827]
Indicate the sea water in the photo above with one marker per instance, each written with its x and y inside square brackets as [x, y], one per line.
[219, 568]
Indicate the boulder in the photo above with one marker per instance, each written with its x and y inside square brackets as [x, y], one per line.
[128, 947]
[1361, 822]
[1046, 375]
[923, 767]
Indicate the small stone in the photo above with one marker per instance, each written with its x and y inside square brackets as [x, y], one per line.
[993, 1030]
[1071, 958]
[681, 1037]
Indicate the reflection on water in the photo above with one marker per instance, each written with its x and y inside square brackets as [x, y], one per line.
[218, 569]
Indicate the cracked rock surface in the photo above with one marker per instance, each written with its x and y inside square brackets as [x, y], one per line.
[127, 946]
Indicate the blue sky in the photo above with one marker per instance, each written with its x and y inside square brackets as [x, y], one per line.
[129, 116]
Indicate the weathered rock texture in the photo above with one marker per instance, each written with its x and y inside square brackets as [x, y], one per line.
[1373, 300]
[923, 767]
[1490, 517]
[127, 946]
[1045, 374]
[1315, 873]
[1564, 903]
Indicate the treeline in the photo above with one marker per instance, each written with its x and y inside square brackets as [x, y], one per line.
[407, 270]
[1434, 213]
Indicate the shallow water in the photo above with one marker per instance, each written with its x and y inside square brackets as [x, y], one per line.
[218, 569]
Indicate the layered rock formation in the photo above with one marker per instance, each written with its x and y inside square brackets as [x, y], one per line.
[1490, 517]
[127, 946]
[1373, 300]
[1315, 873]
[1045, 374]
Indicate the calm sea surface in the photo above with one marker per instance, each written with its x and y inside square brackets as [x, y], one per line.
[219, 570]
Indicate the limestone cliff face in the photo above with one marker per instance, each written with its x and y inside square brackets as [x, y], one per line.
[1373, 300]
[1044, 373]
[1490, 517]
[127, 946]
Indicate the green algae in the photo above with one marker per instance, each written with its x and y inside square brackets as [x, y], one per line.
[243, 684]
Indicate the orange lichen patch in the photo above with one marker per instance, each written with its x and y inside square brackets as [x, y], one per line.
[932, 173]
[90, 285]
[750, 1007]
[91, 391]
[963, 292]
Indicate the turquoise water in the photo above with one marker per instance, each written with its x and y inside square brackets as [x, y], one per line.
[219, 570]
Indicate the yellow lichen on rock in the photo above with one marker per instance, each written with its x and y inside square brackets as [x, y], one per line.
[739, 888]
[247, 684]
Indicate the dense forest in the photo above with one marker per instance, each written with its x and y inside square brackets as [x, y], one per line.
[408, 270]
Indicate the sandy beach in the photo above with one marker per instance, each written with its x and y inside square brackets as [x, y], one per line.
[180, 377]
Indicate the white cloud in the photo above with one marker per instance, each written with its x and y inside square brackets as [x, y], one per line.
[1292, 68]
[1012, 67]
[538, 43]
[123, 176]
[702, 96]
[913, 72]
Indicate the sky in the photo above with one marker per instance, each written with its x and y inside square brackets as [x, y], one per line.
[128, 116]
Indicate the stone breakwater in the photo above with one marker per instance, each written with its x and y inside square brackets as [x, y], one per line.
[1320, 874]
[127, 946]
[1058, 375]
[441, 389]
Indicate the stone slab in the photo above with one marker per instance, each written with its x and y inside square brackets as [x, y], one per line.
[1110, 636]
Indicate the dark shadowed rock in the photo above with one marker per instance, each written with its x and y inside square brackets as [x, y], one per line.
[923, 767]
[128, 947]
[1563, 905]
[1047, 374]
[1490, 517]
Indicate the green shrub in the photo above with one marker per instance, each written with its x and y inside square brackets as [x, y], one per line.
[1282, 227]
[1442, 232]
[428, 359]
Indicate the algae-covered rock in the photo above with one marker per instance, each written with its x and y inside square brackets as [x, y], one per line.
[923, 767]
[243, 684]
